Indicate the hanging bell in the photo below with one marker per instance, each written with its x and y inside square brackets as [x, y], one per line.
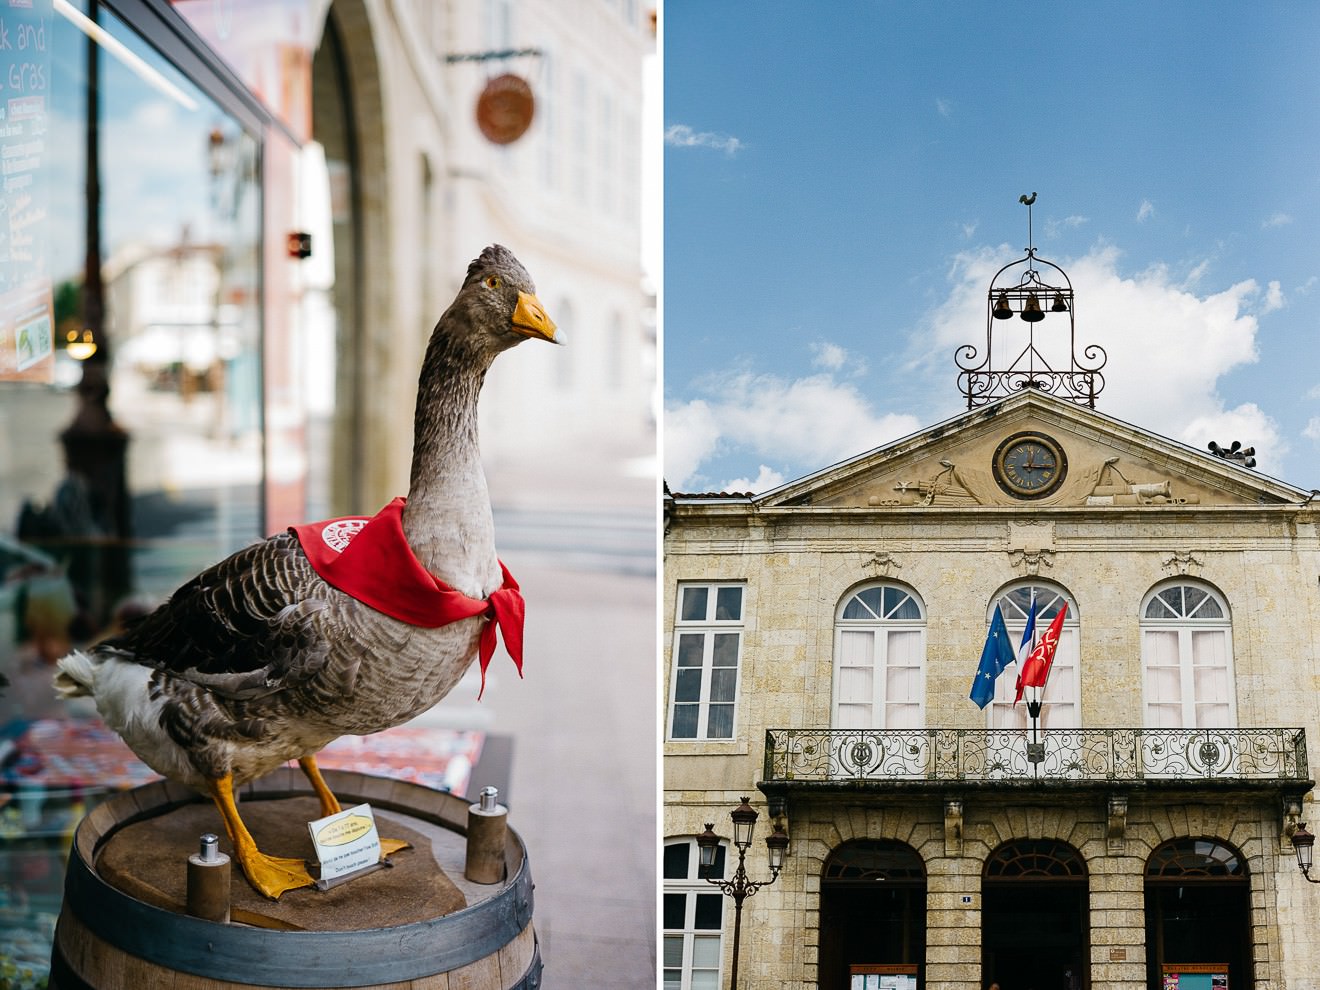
[1002, 310]
[1059, 305]
[1032, 312]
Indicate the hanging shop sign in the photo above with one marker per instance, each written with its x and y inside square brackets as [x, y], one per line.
[505, 109]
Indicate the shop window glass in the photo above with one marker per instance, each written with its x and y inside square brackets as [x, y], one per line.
[126, 470]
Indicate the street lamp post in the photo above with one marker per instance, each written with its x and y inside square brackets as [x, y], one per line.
[741, 887]
[1302, 841]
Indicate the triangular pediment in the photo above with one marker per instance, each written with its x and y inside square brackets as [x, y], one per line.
[1033, 450]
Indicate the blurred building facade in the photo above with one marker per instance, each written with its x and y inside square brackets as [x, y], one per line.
[228, 229]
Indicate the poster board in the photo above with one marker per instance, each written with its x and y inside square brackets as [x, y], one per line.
[27, 330]
[1195, 976]
[882, 976]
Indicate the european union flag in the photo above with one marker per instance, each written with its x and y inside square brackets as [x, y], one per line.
[997, 654]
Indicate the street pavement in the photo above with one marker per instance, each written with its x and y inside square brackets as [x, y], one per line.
[582, 790]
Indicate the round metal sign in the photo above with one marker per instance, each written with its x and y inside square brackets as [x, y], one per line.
[505, 108]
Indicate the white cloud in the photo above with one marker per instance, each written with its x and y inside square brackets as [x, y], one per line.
[1273, 298]
[1167, 346]
[968, 229]
[1312, 429]
[1145, 211]
[832, 357]
[1054, 227]
[944, 107]
[1196, 274]
[812, 421]
[682, 136]
[691, 436]
[763, 482]
[1276, 220]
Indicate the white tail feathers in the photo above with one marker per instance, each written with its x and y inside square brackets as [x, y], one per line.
[75, 675]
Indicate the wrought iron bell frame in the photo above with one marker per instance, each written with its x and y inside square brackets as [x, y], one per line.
[1040, 293]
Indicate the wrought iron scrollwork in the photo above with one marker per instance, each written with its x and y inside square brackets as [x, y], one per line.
[1108, 754]
[999, 370]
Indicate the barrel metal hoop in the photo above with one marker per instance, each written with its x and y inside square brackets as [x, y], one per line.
[301, 959]
[531, 980]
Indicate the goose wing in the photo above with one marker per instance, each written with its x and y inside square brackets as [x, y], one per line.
[243, 628]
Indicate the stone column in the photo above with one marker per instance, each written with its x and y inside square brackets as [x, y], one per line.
[1118, 923]
[953, 923]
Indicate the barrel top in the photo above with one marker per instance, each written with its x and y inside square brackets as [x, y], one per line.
[421, 916]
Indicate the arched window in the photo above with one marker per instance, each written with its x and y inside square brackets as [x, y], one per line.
[1060, 710]
[1026, 859]
[693, 918]
[1187, 657]
[879, 659]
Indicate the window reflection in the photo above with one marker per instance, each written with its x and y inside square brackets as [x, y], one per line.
[124, 471]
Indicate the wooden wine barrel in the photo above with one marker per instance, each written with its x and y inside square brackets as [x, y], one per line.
[112, 938]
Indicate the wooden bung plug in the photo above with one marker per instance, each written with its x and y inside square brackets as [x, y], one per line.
[208, 881]
[487, 827]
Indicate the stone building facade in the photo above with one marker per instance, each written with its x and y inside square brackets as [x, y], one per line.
[820, 643]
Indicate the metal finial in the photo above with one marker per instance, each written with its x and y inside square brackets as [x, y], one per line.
[210, 848]
[489, 798]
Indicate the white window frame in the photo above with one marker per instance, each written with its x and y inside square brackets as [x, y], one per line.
[883, 628]
[1187, 627]
[709, 628]
[691, 886]
[1064, 683]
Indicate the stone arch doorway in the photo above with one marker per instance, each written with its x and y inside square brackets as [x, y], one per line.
[1198, 908]
[348, 121]
[1035, 917]
[872, 909]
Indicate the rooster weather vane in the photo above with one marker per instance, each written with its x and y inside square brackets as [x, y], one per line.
[1030, 357]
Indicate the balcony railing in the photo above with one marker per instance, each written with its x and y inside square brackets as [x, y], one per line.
[1007, 755]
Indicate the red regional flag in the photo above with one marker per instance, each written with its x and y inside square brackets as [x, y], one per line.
[1036, 668]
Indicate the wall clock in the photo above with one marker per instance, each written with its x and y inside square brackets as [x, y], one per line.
[1030, 465]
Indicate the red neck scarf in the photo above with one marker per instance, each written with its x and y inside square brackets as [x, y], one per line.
[369, 558]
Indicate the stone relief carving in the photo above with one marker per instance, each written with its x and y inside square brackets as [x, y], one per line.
[946, 487]
[1113, 488]
[953, 826]
[1099, 484]
[1117, 827]
[1031, 547]
[1182, 562]
[1029, 562]
[881, 564]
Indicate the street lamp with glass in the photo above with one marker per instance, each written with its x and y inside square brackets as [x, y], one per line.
[741, 887]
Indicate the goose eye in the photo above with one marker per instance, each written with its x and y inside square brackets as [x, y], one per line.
[492, 281]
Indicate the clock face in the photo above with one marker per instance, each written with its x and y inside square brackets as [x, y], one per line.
[1030, 465]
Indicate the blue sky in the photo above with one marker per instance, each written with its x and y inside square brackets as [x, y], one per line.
[842, 182]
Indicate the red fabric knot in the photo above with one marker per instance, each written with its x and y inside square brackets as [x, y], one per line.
[369, 558]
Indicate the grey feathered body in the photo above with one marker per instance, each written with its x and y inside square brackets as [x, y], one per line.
[257, 661]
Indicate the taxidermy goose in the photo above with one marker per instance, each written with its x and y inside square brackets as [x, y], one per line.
[261, 659]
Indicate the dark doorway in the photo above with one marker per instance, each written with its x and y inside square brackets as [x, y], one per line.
[1198, 909]
[872, 910]
[1034, 917]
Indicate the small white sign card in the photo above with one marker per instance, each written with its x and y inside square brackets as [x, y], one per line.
[346, 844]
